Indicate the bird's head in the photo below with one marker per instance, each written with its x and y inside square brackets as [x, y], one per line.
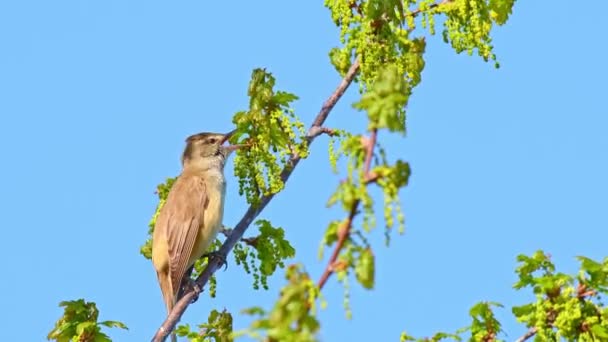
[207, 150]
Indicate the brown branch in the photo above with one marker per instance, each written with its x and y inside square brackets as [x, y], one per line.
[343, 233]
[370, 151]
[590, 293]
[345, 229]
[315, 131]
[582, 291]
[527, 335]
[251, 241]
[369, 177]
[237, 233]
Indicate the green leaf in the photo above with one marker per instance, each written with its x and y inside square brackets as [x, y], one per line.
[500, 10]
[284, 98]
[600, 331]
[385, 101]
[272, 135]
[521, 312]
[268, 251]
[292, 317]
[114, 324]
[364, 269]
[162, 190]
[79, 322]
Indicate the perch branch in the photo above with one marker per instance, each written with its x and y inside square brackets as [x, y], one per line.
[238, 231]
[344, 230]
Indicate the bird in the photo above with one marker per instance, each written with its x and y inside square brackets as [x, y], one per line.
[192, 214]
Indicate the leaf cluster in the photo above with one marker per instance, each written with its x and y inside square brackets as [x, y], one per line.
[162, 190]
[272, 134]
[375, 32]
[356, 255]
[387, 39]
[269, 249]
[79, 323]
[218, 328]
[292, 319]
[469, 23]
[567, 307]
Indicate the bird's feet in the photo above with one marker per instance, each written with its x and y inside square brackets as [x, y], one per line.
[191, 284]
[218, 255]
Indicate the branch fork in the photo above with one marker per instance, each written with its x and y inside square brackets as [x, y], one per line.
[237, 233]
[345, 230]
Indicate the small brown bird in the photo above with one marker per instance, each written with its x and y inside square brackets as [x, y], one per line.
[192, 215]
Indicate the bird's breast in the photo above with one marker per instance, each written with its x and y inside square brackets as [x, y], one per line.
[212, 215]
[214, 212]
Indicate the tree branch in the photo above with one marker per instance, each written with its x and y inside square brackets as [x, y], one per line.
[315, 131]
[344, 230]
[251, 241]
[527, 335]
[238, 231]
[369, 177]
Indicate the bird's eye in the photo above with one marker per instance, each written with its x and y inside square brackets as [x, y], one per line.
[212, 140]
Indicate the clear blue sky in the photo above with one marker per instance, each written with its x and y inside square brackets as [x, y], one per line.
[96, 99]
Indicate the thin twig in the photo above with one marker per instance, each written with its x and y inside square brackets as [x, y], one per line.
[251, 241]
[369, 177]
[238, 231]
[345, 229]
[316, 131]
[527, 335]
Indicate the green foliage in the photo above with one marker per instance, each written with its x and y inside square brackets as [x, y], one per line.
[292, 319]
[566, 307]
[385, 100]
[391, 178]
[340, 59]
[79, 323]
[201, 264]
[376, 32]
[500, 10]
[270, 249]
[353, 189]
[162, 190]
[593, 274]
[365, 268]
[217, 329]
[440, 336]
[485, 326]
[356, 254]
[469, 23]
[387, 37]
[273, 133]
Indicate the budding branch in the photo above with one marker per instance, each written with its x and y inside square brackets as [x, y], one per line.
[214, 264]
[345, 229]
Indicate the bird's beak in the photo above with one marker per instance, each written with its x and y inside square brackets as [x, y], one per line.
[227, 136]
[230, 148]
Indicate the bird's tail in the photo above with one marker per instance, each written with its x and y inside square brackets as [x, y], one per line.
[168, 296]
[167, 289]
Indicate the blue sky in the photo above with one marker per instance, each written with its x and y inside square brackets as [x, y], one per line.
[97, 98]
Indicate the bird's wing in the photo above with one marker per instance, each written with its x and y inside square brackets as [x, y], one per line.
[187, 201]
